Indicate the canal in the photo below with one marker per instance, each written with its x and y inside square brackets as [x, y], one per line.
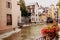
[27, 33]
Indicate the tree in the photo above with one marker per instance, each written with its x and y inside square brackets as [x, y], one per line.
[24, 12]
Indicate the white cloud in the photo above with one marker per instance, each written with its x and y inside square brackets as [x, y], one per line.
[17, 0]
[43, 2]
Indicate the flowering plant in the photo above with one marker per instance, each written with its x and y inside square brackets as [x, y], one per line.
[51, 31]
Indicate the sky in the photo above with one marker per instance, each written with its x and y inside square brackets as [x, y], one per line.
[44, 3]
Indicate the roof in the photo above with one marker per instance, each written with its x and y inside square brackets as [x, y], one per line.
[34, 3]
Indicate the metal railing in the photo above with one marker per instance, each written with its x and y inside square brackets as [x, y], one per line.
[45, 38]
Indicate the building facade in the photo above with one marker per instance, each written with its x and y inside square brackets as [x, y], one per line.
[9, 13]
[33, 9]
[51, 12]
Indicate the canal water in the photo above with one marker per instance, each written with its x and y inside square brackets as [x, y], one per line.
[27, 33]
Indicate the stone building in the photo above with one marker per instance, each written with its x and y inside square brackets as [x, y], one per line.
[9, 13]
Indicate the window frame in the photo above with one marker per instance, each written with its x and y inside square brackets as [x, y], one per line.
[9, 22]
[9, 4]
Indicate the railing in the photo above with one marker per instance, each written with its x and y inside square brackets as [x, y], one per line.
[44, 38]
[41, 38]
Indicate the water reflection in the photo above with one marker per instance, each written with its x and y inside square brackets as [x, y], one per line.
[27, 33]
[31, 33]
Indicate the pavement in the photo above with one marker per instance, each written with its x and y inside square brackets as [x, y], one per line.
[7, 34]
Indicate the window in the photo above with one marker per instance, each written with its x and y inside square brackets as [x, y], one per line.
[29, 10]
[33, 10]
[9, 19]
[8, 4]
[33, 19]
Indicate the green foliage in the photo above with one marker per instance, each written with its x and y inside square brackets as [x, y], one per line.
[23, 8]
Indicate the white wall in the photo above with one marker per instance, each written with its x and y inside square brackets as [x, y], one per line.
[15, 13]
[36, 12]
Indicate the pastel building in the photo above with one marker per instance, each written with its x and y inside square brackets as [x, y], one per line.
[43, 13]
[58, 9]
[33, 9]
[9, 13]
[51, 11]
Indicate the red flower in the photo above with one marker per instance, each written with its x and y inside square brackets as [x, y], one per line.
[44, 31]
[53, 30]
[50, 30]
